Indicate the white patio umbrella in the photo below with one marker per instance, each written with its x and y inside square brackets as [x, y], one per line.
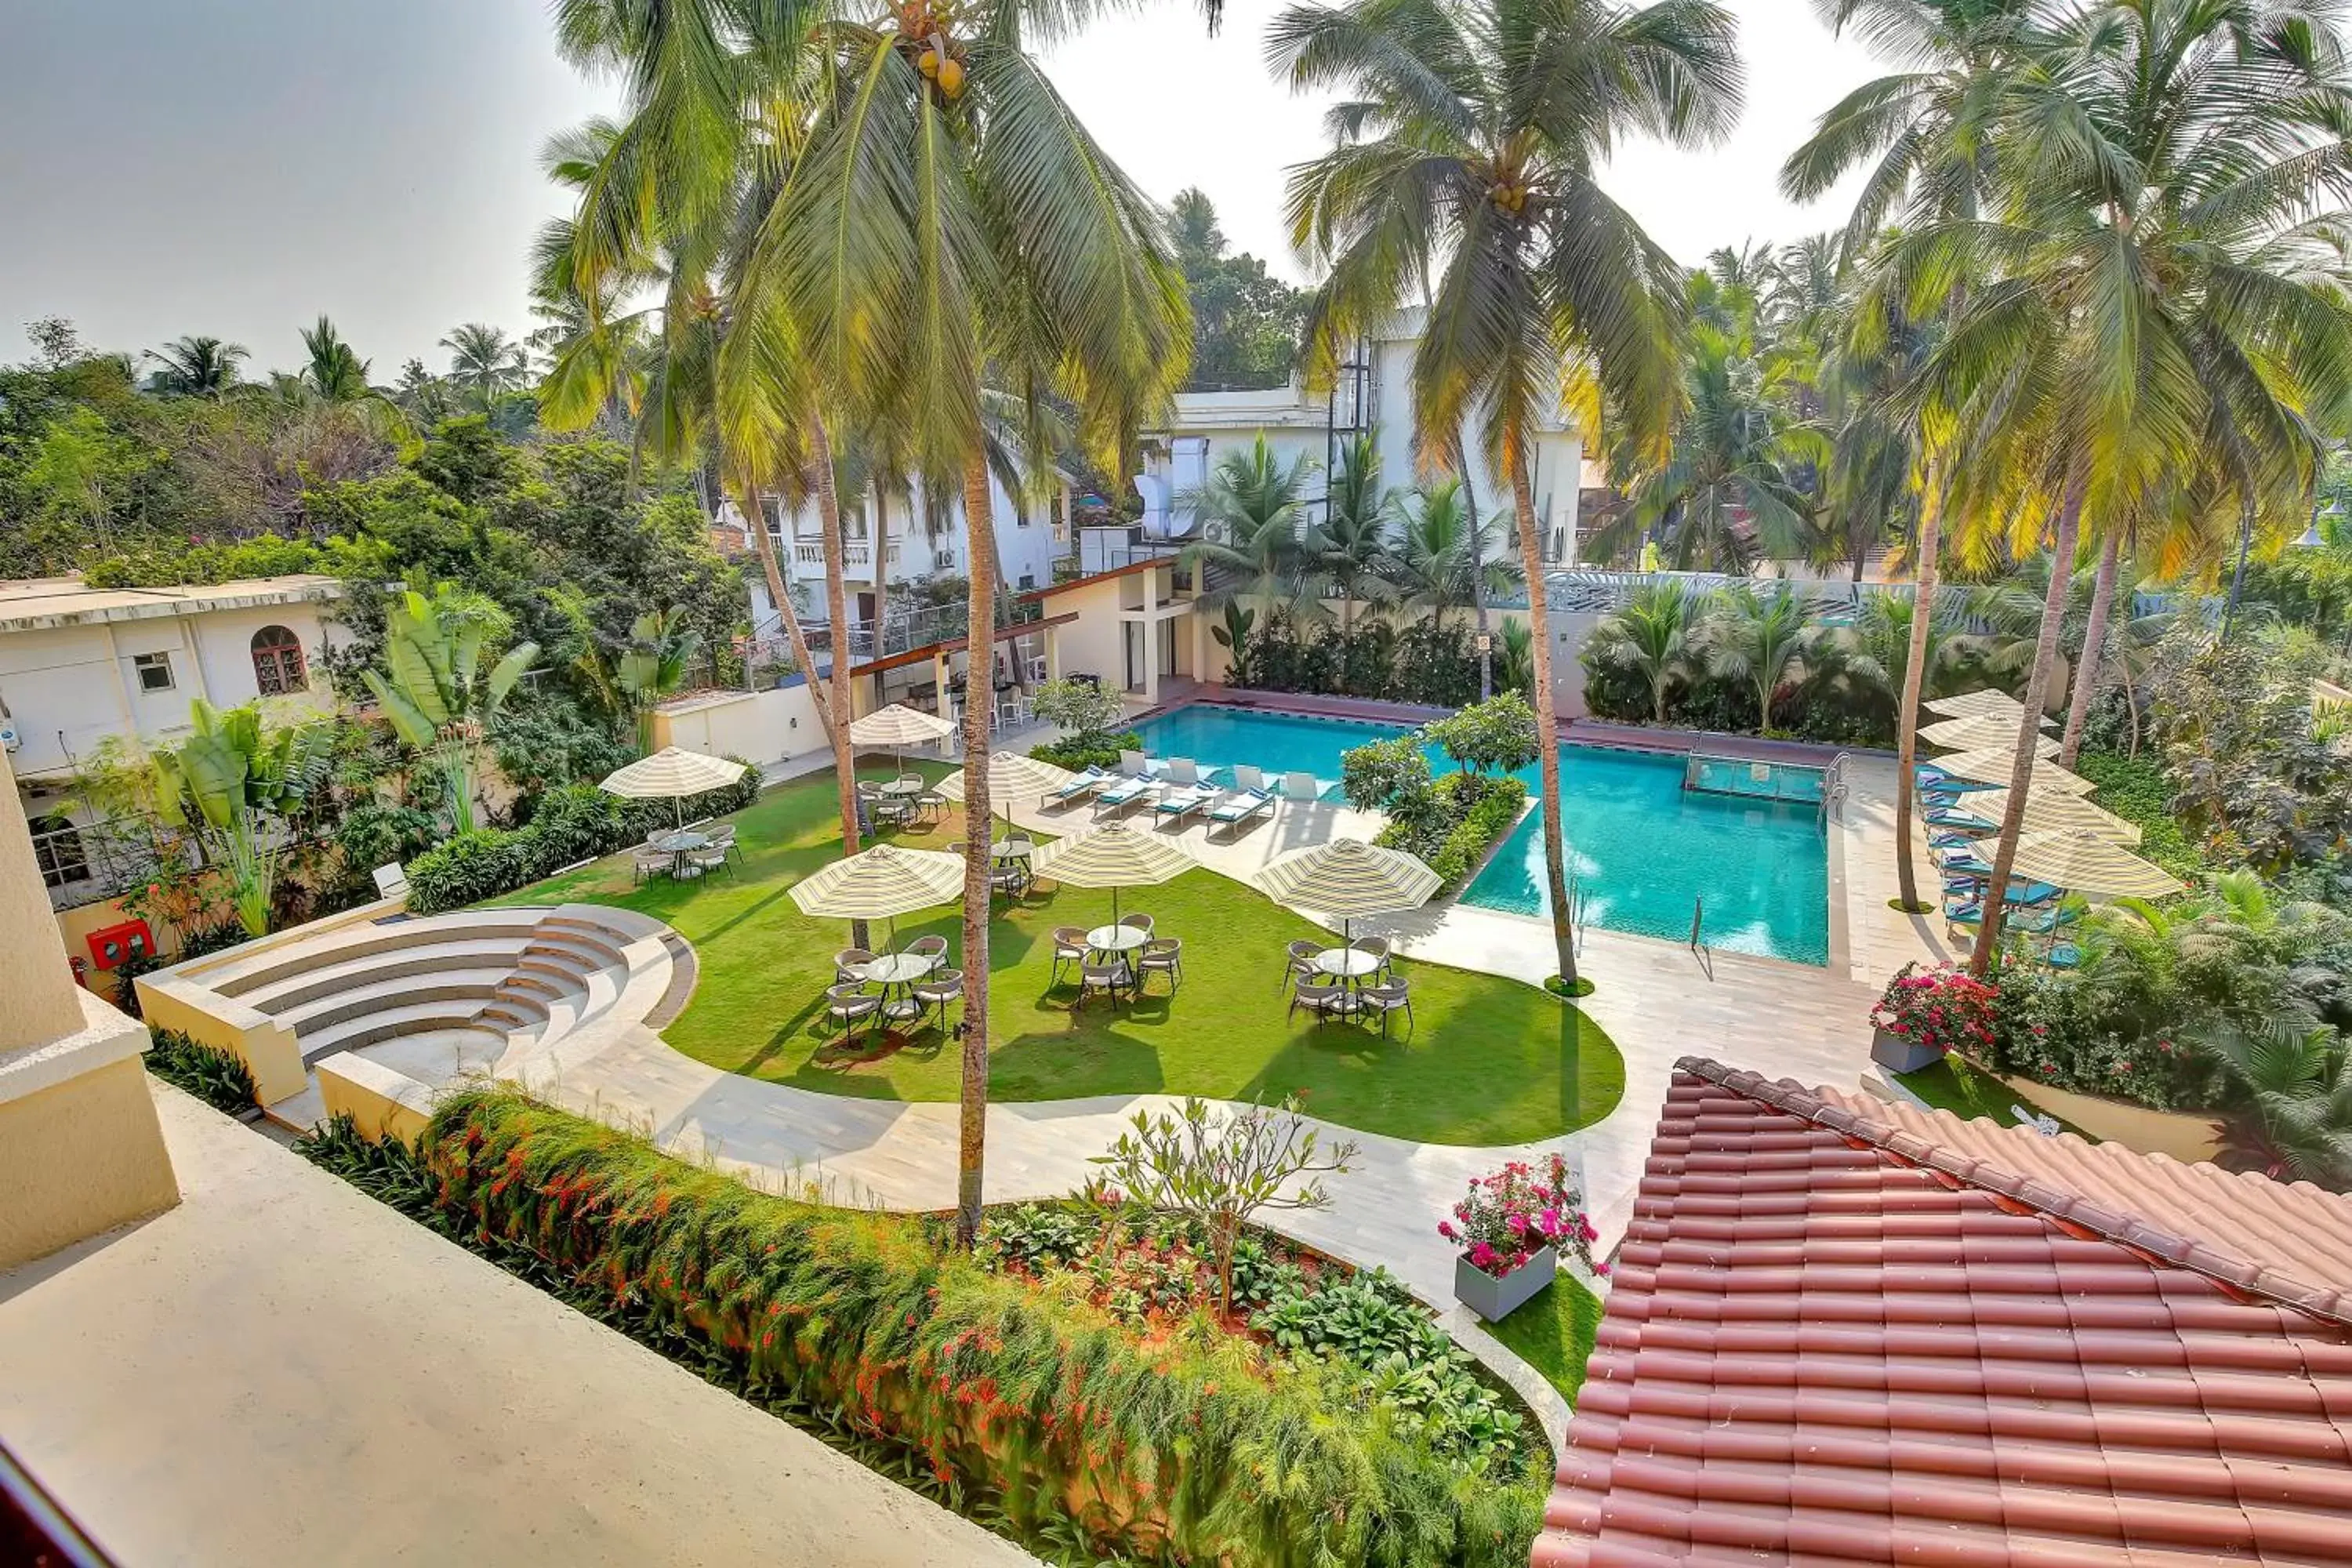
[1985, 704]
[672, 772]
[899, 727]
[1978, 734]
[2083, 863]
[2053, 811]
[1993, 764]
[1348, 878]
[1113, 856]
[1011, 773]
[880, 884]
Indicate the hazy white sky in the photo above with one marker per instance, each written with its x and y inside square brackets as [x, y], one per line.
[238, 168]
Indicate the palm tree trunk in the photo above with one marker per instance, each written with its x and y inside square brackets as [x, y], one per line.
[837, 596]
[2029, 727]
[773, 571]
[1563, 918]
[1914, 678]
[979, 701]
[1478, 567]
[2092, 663]
[881, 568]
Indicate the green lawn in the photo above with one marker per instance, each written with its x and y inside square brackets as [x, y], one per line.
[1492, 1061]
[1554, 1332]
[1968, 1094]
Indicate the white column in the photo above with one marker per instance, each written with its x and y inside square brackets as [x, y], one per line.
[1150, 656]
[1053, 654]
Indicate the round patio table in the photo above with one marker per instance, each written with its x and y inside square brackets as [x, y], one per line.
[679, 846]
[1011, 849]
[1346, 963]
[1117, 940]
[898, 972]
[903, 786]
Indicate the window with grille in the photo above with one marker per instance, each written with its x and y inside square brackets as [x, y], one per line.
[278, 666]
[57, 850]
[154, 669]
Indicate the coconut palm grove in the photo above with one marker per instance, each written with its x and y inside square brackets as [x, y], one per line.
[1521, 902]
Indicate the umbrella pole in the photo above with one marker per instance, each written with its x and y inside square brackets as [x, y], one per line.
[677, 810]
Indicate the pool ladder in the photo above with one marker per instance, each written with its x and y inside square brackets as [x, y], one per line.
[1834, 787]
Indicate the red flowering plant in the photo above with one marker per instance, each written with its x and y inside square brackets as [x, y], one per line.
[1942, 1008]
[1516, 1212]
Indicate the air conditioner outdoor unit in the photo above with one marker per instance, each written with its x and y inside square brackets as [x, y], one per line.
[9, 738]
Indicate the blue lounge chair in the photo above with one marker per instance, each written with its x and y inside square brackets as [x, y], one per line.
[1181, 803]
[1113, 799]
[1078, 788]
[1136, 766]
[1236, 808]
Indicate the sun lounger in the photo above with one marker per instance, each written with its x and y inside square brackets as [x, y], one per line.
[1249, 781]
[1302, 787]
[1078, 788]
[1181, 803]
[1236, 808]
[1182, 771]
[1115, 798]
[1136, 766]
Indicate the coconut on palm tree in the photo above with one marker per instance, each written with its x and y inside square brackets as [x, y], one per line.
[1467, 144]
[949, 224]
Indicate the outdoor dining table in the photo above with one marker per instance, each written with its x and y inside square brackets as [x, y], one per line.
[680, 845]
[1351, 966]
[1116, 942]
[898, 972]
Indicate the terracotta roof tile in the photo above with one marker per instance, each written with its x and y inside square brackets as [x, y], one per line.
[1843, 1331]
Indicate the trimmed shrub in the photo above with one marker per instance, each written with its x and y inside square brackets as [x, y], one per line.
[1471, 811]
[1022, 1406]
[577, 822]
[218, 1078]
[1080, 752]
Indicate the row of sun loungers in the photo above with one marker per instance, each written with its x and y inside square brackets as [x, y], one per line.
[1175, 793]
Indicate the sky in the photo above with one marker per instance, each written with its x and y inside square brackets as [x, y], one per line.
[240, 167]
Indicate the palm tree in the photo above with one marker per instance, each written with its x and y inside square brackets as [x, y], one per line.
[2165, 298]
[1763, 639]
[195, 367]
[1348, 551]
[950, 223]
[486, 362]
[1252, 540]
[1877, 649]
[334, 373]
[1654, 637]
[1439, 562]
[1926, 136]
[1465, 147]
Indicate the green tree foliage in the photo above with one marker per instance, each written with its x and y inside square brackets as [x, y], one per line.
[433, 688]
[1497, 736]
[237, 788]
[1245, 320]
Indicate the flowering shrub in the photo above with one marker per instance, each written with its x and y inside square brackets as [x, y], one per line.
[1516, 1212]
[1942, 1008]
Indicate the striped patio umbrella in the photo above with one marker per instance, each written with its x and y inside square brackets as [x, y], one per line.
[2083, 863]
[1346, 877]
[1993, 764]
[1113, 856]
[1980, 733]
[1011, 773]
[1985, 704]
[899, 727]
[2054, 811]
[673, 773]
[880, 884]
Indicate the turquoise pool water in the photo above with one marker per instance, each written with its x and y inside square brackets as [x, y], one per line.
[1642, 848]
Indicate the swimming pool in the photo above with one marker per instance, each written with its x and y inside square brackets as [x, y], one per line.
[1644, 851]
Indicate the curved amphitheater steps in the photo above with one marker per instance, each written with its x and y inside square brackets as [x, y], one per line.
[412, 1004]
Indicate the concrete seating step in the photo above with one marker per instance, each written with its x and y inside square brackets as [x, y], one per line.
[288, 991]
[385, 1022]
[240, 978]
[441, 985]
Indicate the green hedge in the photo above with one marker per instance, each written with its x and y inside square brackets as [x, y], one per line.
[1023, 1407]
[576, 822]
[218, 1078]
[1079, 752]
[1473, 810]
[2136, 789]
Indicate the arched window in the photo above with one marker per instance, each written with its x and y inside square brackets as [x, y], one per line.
[277, 662]
[57, 850]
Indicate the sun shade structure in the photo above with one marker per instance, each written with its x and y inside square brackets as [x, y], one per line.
[2053, 811]
[1993, 764]
[1348, 878]
[1985, 704]
[1010, 774]
[1114, 856]
[671, 773]
[1844, 1331]
[899, 727]
[881, 883]
[1974, 735]
[2083, 863]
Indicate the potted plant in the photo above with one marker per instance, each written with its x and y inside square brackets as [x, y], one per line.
[1510, 1229]
[1924, 1012]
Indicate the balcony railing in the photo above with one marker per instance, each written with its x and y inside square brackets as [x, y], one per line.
[904, 632]
[855, 557]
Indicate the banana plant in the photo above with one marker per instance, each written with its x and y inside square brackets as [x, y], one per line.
[432, 687]
[236, 789]
[662, 649]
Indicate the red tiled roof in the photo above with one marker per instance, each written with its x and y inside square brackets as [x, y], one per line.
[1843, 1331]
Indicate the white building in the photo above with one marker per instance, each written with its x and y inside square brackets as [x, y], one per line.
[1373, 392]
[79, 665]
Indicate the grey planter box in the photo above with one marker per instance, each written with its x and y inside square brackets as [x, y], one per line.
[1494, 1300]
[1897, 1054]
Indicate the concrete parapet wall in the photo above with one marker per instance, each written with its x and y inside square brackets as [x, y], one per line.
[380, 1101]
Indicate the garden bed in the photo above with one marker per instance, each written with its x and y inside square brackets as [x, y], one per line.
[1017, 1386]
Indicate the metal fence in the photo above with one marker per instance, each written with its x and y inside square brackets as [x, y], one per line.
[88, 862]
